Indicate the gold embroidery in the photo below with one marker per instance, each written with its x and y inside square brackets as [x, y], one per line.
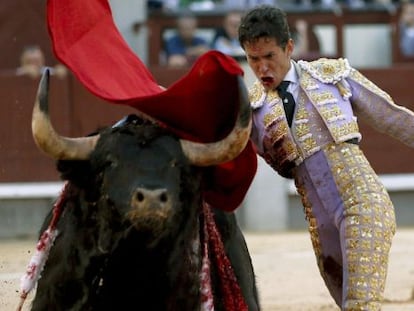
[344, 130]
[291, 151]
[369, 225]
[278, 132]
[327, 70]
[276, 114]
[305, 139]
[272, 97]
[332, 114]
[343, 90]
[323, 98]
[310, 146]
[312, 224]
[256, 95]
[255, 92]
[302, 129]
[277, 129]
[307, 82]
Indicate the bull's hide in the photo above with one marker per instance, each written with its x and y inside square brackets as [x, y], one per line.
[130, 229]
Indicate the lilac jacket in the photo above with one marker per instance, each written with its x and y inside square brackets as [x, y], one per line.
[332, 95]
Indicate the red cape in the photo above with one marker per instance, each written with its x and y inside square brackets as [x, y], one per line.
[201, 106]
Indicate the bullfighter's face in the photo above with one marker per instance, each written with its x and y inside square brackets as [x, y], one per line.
[269, 61]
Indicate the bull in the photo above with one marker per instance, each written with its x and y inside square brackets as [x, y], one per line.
[133, 220]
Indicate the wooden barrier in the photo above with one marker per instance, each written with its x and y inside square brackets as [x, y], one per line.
[19, 157]
[387, 155]
[76, 112]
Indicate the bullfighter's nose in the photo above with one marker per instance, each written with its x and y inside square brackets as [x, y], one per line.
[150, 198]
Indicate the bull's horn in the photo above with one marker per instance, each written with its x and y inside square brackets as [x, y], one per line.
[46, 138]
[205, 154]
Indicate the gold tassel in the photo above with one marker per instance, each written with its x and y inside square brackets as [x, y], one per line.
[345, 93]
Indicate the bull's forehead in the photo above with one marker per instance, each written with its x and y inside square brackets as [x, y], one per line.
[136, 151]
[155, 150]
[128, 163]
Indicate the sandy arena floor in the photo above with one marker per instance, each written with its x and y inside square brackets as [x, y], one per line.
[286, 270]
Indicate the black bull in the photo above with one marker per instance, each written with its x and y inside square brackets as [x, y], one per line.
[131, 220]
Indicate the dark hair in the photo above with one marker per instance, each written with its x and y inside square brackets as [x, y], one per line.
[264, 21]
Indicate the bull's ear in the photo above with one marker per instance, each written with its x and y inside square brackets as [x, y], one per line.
[107, 228]
[105, 237]
[104, 243]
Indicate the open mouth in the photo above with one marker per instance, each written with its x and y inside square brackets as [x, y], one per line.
[267, 80]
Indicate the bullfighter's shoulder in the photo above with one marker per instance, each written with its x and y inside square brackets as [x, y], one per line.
[327, 70]
[257, 95]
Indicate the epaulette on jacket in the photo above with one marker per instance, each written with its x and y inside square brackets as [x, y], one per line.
[257, 95]
[327, 70]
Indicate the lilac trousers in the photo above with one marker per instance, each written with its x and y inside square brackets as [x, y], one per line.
[351, 224]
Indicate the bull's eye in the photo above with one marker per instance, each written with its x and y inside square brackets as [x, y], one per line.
[163, 197]
[140, 196]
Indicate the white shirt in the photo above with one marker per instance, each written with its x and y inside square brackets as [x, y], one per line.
[293, 77]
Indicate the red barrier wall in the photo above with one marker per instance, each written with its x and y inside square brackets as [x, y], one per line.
[76, 112]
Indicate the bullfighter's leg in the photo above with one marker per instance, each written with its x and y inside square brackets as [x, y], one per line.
[367, 227]
[238, 254]
[325, 240]
[364, 219]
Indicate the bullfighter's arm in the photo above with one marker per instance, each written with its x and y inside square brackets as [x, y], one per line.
[376, 107]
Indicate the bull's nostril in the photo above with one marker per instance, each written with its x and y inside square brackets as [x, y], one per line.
[149, 197]
[163, 197]
[140, 196]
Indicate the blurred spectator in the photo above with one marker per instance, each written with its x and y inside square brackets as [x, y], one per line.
[155, 4]
[32, 63]
[198, 5]
[183, 48]
[245, 4]
[163, 4]
[307, 45]
[407, 29]
[226, 38]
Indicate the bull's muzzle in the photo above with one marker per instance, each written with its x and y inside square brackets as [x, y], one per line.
[152, 199]
[154, 204]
